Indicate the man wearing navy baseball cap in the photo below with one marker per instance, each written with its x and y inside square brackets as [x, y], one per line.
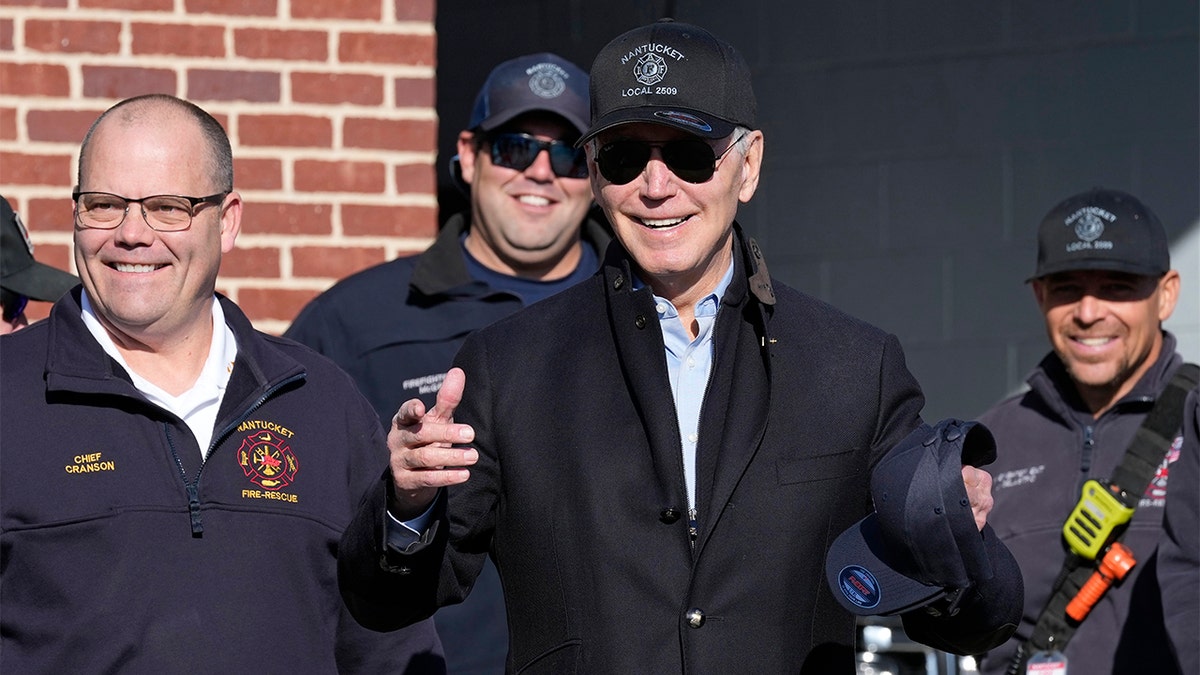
[528, 234]
[660, 457]
[1104, 285]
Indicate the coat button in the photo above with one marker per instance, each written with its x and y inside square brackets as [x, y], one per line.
[669, 515]
[695, 618]
[618, 282]
[640, 321]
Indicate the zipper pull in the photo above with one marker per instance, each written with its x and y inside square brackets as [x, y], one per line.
[194, 510]
[693, 527]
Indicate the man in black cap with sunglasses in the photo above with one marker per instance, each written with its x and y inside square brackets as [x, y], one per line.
[21, 277]
[528, 234]
[659, 458]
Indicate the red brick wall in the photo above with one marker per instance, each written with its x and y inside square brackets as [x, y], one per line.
[329, 105]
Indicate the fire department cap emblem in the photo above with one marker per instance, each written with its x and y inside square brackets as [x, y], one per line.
[1089, 227]
[267, 461]
[547, 80]
[650, 69]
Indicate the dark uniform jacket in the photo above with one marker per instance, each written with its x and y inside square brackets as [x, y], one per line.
[120, 552]
[1048, 444]
[579, 492]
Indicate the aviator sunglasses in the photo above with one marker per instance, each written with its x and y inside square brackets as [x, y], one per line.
[691, 159]
[519, 151]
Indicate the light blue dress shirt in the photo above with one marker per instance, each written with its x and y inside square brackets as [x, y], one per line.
[689, 363]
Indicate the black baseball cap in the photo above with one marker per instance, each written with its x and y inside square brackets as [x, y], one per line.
[674, 74]
[1102, 229]
[19, 272]
[921, 545]
[542, 82]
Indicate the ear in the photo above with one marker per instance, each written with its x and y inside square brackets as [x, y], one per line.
[1168, 294]
[751, 165]
[231, 221]
[466, 155]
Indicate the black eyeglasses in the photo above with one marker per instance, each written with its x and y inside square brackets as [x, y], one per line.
[519, 151]
[14, 304]
[164, 213]
[691, 159]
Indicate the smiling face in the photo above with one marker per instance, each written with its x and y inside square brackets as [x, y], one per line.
[679, 233]
[524, 223]
[1106, 327]
[145, 285]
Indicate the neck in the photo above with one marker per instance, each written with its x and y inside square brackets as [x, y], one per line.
[171, 362]
[549, 269]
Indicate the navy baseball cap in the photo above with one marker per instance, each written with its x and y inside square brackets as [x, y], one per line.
[1102, 229]
[674, 74]
[534, 83]
[19, 272]
[921, 545]
[541, 82]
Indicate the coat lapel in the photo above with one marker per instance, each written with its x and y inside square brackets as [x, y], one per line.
[640, 351]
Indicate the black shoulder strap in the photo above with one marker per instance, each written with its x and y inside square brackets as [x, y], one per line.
[1157, 432]
[1141, 461]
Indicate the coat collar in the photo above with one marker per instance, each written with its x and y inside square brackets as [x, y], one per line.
[739, 390]
[76, 362]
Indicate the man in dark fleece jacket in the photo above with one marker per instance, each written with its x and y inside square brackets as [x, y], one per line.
[175, 483]
[1104, 285]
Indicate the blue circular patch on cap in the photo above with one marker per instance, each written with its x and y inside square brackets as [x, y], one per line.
[859, 586]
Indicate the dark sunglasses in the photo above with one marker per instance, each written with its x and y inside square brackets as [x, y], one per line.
[519, 151]
[14, 304]
[691, 159]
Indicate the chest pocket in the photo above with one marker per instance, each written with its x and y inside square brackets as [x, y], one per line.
[791, 470]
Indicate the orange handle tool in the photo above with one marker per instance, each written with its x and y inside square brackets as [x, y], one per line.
[1117, 562]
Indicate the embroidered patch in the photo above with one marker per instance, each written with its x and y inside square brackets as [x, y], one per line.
[547, 80]
[267, 460]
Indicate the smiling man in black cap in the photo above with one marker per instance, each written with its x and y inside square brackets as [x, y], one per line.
[21, 277]
[1104, 285]
[661, 455]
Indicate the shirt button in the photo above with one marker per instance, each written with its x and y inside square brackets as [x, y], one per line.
[660, 308]
[693, 437]
[695, 618]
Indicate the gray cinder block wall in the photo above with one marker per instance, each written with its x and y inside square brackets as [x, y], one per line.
[912, 148]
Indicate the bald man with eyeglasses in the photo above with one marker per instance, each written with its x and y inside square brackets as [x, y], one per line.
[175, 482]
